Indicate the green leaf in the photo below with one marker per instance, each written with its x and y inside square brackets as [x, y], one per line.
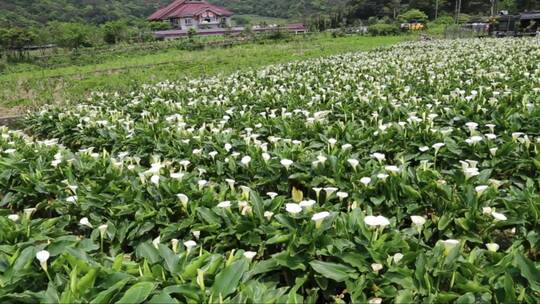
[529, 271]
[336, 272]
[148, 251]
[162, 298]
[137, 293]
[404, 297]
[171, 260]
[227, 280]
[106, 295]
[467, 298]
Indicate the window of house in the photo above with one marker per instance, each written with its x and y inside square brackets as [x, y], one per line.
[207, 20]
[188, 21]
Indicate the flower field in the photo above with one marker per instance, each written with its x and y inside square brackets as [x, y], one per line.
[408, 174]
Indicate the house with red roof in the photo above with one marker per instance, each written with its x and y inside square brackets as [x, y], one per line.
[193, 14]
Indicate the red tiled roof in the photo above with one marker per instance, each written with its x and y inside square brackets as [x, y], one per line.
[186, 8]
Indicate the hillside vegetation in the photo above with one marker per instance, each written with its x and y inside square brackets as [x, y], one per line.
[34, 12]
[281, 8]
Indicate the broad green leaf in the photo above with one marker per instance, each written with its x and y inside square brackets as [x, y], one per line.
[404, 297]
[137, 293]
[162, 298]
[336, 272]
[227, 280]
[529, 271]
[106, 295]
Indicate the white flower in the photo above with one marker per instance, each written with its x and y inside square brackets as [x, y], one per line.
[183, 199]
[224, 204]
[474, 140]
[470, 172]
[487, 210]
[85, 222]
[392, 169]
[382, 176]
[472, 126]
[71, 199]
[43, 256]
[365, 181]
[353, 162]
[307, 204]
[29, 211]
[376, 221]
[202, 183]
[437, 147]
[250, 255]
[498, 216]
[494, 247]
[196, 234]
[103, 229]
[177, 176]
[493, 151]
[481, 189]
[332, 142]
[154, 179]
[272, 195]
[320, 216]
[342, 195]
[330, 190]
[174, 245]
[418, 220]
[449, 244]
[14, 217]
[346, 147]
[286, 163]
[376, 267]
[491, 136]
[379, 156]
[245, 160]
[375, 301]
[293, 208]
[397, 257]
[423, 149]
[231, 183]
[156, 242]
[190, 244]
[266, 157]
[317, 191]
[268, 215]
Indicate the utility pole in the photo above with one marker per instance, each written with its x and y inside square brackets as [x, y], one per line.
[493, 2]
[437, 8]
[458, 10]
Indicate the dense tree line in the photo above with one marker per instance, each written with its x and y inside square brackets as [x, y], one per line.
[24, 13]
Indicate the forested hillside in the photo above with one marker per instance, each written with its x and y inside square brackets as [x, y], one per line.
[33, 12]
[281, 8]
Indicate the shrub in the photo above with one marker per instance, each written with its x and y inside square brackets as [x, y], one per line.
[383, 29]
[413, 15]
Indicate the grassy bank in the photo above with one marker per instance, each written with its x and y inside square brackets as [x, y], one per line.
[37, 87]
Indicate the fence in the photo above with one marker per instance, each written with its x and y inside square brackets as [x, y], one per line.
[466, 31]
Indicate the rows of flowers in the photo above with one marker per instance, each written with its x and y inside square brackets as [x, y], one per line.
[403, 175]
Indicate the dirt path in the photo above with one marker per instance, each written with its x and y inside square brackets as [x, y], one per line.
[10, 115]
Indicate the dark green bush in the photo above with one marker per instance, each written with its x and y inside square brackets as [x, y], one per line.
[383, 29]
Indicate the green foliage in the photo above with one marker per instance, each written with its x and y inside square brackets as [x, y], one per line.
[383, 29]
[73, 35]
[345, 188]
[281, 8]
[192, 33]
[121, 66]
[39, 12]
[115, 31]
[413, 15]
